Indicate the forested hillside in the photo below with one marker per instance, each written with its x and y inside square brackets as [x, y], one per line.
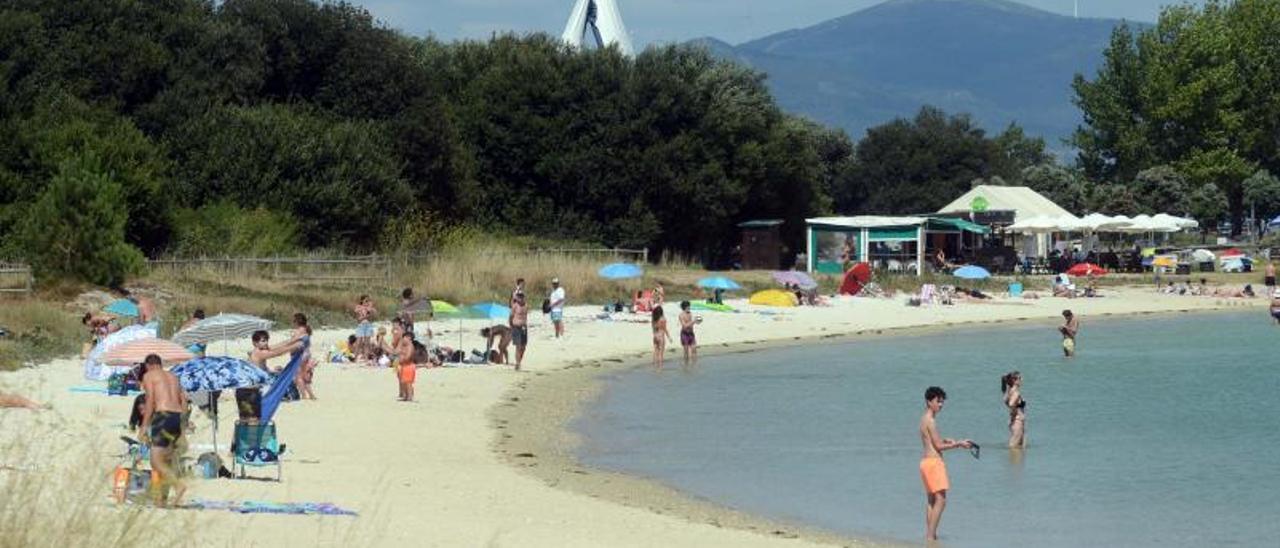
[267, 126]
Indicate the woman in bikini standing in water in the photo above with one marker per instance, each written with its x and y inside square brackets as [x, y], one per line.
[1011, 386]
[660, 337]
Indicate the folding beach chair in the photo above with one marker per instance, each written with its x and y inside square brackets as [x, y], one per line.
[256, 445]
[928, 294]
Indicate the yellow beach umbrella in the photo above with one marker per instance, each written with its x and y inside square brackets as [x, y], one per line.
[773, 297]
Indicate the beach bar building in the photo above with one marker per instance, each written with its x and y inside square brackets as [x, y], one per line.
[892, 243]
[1000, 206]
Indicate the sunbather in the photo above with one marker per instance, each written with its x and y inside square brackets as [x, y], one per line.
[18, 402]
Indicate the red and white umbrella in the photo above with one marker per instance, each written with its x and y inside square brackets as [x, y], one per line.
[136, 351]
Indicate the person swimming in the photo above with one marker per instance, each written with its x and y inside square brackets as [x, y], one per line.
[1011, 387]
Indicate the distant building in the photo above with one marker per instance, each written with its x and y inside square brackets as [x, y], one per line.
[597, 23]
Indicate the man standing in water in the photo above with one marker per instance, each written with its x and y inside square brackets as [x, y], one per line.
[1070, 326]
[933, 471]
[162, 422]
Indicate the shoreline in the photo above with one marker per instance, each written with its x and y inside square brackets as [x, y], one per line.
[534, 418]
[434, 472]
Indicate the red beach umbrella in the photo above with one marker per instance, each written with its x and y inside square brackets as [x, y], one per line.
[1085, 269]
[855, 279]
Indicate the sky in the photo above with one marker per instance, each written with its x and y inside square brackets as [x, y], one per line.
[651, 21]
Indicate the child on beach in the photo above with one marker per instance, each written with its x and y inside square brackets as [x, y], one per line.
[1069, 328]
[687, 338]
[933, 471]
[406, 370]
[660, 337]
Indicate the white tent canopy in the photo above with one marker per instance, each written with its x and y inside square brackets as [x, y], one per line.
[1024, 202]
[602, 21]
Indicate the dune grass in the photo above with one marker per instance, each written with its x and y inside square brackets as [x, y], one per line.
[71, 507]
[38, 328]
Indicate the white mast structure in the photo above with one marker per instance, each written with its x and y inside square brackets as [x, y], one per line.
[598, 21]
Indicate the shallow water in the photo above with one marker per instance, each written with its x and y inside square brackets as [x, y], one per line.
[1160, 433]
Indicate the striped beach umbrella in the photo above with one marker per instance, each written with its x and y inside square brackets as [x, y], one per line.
[221, 327]
[135, 351]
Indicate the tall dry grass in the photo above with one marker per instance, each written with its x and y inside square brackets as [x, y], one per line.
[38, 329]
[56, 492]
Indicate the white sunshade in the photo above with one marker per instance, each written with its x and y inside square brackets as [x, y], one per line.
[1098, 222]
[1180, 222]
[1147, 223]
[1044, 224]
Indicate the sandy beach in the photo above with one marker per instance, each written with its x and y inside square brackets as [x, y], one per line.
[482, 458]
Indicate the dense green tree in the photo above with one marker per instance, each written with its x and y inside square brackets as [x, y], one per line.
[1208, 204]
[1200, 91]
[1162, 189]
[913, 166]
[76, 227]
[223, 228]
[335, 177]
[1262, 193]
[1061, 185]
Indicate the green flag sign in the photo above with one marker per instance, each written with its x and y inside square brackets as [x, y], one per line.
[979, 204]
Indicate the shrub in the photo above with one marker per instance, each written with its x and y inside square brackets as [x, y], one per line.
[224, 228]
[76, 227]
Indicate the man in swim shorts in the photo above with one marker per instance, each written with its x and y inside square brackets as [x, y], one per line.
[162, 424]
[933, 471]
[519, 323]
[1070, 326]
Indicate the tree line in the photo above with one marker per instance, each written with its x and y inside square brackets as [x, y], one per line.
[190, 127]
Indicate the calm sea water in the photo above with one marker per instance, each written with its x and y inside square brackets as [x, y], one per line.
[1162, 432]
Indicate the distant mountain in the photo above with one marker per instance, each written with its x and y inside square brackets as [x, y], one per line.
[997, 60]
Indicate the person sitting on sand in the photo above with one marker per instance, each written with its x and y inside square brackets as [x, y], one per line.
[196, 348]
[1069, 328]
[503, 334]
[660, 336]
[933, 470]
[162, 424]
[1169, 289]
[1202, 289]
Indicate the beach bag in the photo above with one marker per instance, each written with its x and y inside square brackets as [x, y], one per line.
[116, 385]
[546, 306]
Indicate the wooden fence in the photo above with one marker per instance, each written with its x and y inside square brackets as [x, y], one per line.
[15, 278]
[358, 269]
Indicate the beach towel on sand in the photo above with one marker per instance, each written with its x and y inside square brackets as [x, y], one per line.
[260, 507]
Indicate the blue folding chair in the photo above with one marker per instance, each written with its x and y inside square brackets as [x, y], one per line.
[256, 445]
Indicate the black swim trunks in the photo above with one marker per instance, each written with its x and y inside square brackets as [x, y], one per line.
[166, 428]
[520, 335]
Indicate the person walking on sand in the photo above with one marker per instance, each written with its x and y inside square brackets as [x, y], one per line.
[519, 322]
[162, 423]
[933, 470]
[687, 338]
[1069, 328]
[406, 370]
[1269, 278]
[660, 337]
[1011, 386]
[557, 306]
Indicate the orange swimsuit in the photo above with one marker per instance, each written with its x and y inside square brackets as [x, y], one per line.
[408, 372]
[933, 471]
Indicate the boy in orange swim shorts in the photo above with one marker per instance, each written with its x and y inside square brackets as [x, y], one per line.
[933, 471]
[406, 371]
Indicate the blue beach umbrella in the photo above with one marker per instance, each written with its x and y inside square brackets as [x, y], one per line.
[971, 272]
[215, 373]
[718, 282]
[491, 311]
[122, 307]
[621, 271]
